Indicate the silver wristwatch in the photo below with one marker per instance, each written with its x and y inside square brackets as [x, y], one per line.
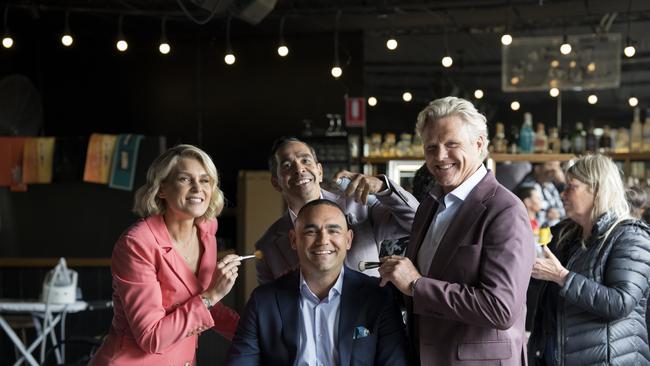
[207, 302]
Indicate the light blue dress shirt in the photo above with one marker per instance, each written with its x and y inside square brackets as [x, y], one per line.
[448, 206]
[318, 322]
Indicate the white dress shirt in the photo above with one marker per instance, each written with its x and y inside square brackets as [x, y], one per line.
[318, 323]
[448, 205]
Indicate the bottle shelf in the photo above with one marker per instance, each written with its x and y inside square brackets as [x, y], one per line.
[384, 160]
[533, 158]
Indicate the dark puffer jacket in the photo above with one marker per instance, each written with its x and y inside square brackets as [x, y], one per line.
[600, 313]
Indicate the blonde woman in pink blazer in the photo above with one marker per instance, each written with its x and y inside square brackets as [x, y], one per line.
[167, 284]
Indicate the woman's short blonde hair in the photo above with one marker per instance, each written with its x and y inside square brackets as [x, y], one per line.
[603, 177]
[147, 203]
[475, 122]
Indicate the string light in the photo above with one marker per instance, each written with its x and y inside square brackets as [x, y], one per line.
[478, 93]
[67, 39]
[629, 49]
[283, 50]
[164, 46]
[372, 101]
[336, 67]
[122, 45]
[592, 99]
[554, 92]
[633, 101]
[407, 97]
[515, 105]
[391, 44]
[7, 41]
[229, 58]
[447, 61]
[565, 48]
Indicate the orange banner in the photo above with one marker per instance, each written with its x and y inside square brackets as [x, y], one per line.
[37, 159]
[99, 158]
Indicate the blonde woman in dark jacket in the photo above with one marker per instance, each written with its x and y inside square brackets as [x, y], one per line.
[591, 310]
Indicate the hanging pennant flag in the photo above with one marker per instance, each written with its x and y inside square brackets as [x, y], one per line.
[124, 162]
[11, 163]
[99, 157]
[37, 159]
[355, 112]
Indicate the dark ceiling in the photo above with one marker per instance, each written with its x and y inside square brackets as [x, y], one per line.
[469, 29]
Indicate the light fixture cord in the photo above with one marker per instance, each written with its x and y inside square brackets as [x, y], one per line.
[120, 33]
[629, 19]
[67, 22]
[163, 29]
[195, 20]
[336, 37]
[284, 19]
[5, 18]
[228, 45]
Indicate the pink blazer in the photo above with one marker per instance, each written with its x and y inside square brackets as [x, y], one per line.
[158, 313]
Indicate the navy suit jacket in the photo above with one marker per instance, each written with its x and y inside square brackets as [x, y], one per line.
[268, 330]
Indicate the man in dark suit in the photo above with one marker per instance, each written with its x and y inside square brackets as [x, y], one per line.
[297, 174]
[323, 313]
[471, 253]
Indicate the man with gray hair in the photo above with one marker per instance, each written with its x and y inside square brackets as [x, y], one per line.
[471, 253]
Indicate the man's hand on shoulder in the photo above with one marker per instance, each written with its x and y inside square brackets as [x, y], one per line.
[361, 185]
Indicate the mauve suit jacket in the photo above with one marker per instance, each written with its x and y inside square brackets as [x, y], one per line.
[470, 308]
[158, 313]
[268, 333]
[390, 218]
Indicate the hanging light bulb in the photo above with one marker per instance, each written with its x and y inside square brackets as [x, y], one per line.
[515, 105]
[407, 97]
[629, 49]
[592, 99]
[283, 50]
[391, 44]
[229, 58]
[447, 61]
[336, 71]
[478, 93]
[506, 39]
[121, 43]
[554, 92]
[164, 46]
[336, 68]
[633, 101]
[372, 101]
[7, 40]
[67, 39]
[565, 48]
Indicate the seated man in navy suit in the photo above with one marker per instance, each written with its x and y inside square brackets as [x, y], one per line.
[323, 313]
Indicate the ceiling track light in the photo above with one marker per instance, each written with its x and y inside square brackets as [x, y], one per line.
[336, 71]
[283, 49]
[229, 58]
[121, 43]
[164, 46]
[7, 41]
[66, 38]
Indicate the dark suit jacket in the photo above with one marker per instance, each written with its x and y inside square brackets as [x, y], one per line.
[268, 330]
[470, 308]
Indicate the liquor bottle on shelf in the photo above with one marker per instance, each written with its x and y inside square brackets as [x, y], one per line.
[591, 142]
[526, 135]
[554, 143]
[636, 132]
[565, 145]
[541, 140]
[606, 141]
[499, 143]
[578, 139]
[622, 140]
[646, 131]
[388, 147]
[513, 139]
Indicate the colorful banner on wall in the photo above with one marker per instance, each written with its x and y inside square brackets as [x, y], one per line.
[37, 159]
[11, 163]
[99, 158]
[124, 162]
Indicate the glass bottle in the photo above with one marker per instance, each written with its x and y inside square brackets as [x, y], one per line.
[622, 140]
[526, 135]
[646, 131]
[578, 139]
[554, 143]
[605, 143]
[513, 139]
[499, 141]
[541, 140]
[636, 132]
[566, 147]
[591, 142]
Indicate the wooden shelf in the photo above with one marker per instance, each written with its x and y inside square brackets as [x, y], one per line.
[383, 160]
[631, 156]
[533, 158]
